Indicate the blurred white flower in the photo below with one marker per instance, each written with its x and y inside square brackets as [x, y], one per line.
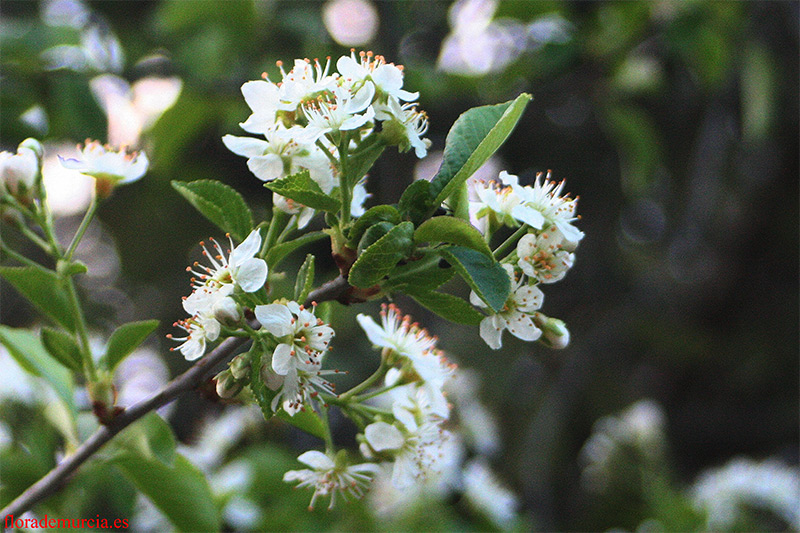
[350, 22]
[769, 485]
[115, 167]
[487, 495]
[331, 476]
[18, 171]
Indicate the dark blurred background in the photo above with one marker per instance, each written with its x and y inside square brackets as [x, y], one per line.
[676, 123]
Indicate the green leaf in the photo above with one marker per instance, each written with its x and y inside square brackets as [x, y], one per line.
[305, 279]
[45, 290]
[475, 136]
[381, 257]
[361, 161]
[447, 306]
[220, 204]
[26, 348]
[124, 340]
[307, 420]
[373, 234]
[180, 491]
[301, 188]
[416, 202]
[373, 215]
[452, 231]
[484, 275]
[425, 274]
[151, 437]
[278, 253]
[63, 347]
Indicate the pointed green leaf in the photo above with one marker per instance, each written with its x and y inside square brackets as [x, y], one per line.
[361, 161]
[446, 306]
[452, 231]
[373, 215]
[426, 274]
[474, 138]
[416, 203]
[278, 253]
[151, 437]
[180, 491]
[45, 290]
[26, 348]
[381, 257]
[220, 204]
[301, 188]
[305, 279]
[63, 347]
[125, 340]
[372, 235]
[484, 275]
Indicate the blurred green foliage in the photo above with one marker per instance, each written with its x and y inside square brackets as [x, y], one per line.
[675, 121]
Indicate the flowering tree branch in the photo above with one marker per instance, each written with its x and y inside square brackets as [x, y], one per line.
[187, 381]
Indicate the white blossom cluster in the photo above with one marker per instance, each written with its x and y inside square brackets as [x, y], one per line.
[543, 254]
[314, 118]
[212, 303]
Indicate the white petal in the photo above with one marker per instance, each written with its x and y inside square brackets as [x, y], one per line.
[375, 333]
[491, 333]
[260, 95]
[251, 275]
[193, 348]
[350, 68]
[526, 245]
[267, 167]
[245, 146]
[529, 298]
[356, 121]
[361, 99]
[404, 473]
[528, 215]
[382, 436]
[474, 299]
[275, 318]
[388, 77]
[247, 249]
[522, 327]
[316, 460]
[282, 360]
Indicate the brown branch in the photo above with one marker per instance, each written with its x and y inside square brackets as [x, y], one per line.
[53, 481]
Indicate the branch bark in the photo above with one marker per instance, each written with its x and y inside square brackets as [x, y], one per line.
[57, 477]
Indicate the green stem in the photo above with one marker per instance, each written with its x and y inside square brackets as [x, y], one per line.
[344, 182]
[83, 335]
[278, 218]
[328, 436]
[378, 374]
[510, 241]
[291, 226]
[35, 239]
[87, 219]
[378, 392]
[328, 154]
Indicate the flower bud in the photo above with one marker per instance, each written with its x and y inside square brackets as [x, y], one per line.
[227, 385]
[103, 395]
[20, 172]
[554, 331]
[272, 380]
[240, 367]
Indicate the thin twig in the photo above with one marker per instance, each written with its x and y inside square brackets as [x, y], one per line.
[187, 381]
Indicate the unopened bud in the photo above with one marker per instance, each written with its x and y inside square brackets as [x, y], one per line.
[20, 172]
[103, 396]
[32, 144]
[240, 367]
[554, 333]
[227, 385]
[272, 380]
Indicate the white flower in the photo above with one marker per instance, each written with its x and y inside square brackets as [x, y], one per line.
[543, 257]
[412, 125]
[303, 83]
[18, 171]
[408, 340]
[331, 476]
[241, 267]
[264, 99]
[515, 316]
[495, 200]
[342, 112]
[285, 151]
[199, 328]
[414, 441]
[104, 163]
[387, 77]
[298, 387]
[303, 337]
[485, 493]
[542, 204]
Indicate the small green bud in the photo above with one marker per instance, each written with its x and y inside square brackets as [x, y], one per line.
[554, 331]
[240, 367]
[227, 385]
